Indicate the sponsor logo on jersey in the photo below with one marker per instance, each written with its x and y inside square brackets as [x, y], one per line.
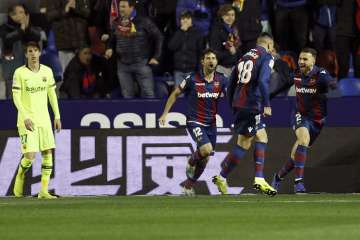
[200, 84]
[297, 79]
[207, 95]
[35, 89]
[306, 90]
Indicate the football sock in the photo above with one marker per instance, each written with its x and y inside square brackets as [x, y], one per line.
[25, 164]
[286, 168]
[199, 168]
[189, 183]
[195, 157]
[300, 158]
[259, 157]
[46, 170]
[232, 160]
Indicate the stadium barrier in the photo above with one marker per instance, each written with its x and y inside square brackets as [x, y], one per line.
[113, 154]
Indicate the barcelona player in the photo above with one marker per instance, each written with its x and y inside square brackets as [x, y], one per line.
[33, 85]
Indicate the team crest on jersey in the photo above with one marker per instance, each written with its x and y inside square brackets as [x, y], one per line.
[44, 79]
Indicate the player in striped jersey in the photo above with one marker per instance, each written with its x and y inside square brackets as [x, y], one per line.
[202, 90]
[248, 93]
[311, 85]
[33, 85]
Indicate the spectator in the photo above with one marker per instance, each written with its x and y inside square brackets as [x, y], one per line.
[202, 13]
[324, 28]
[162, 13]
[132, 36]
[84, 76]
[69, 22]
[248, 22]
[17, 31]
[347, 38]
[187, 44]
[291, 24]
[224, 39]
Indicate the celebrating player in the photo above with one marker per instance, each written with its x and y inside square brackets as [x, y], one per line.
[311, 85]
[33, 84]
[202, 90]
[248, 93]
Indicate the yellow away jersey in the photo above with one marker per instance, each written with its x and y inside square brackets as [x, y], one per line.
[33, 88]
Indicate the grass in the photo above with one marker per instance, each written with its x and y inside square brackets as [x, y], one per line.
[246, 217]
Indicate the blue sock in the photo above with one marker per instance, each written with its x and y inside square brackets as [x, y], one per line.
[259, 157]
[232, 160]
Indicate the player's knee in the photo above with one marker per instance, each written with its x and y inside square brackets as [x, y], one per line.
[30, 156]
[47, 160]
[206, 151]
[261, 136]
[245, 144]
[46, 152]
[304, 140]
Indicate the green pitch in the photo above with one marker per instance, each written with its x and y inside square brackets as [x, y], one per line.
[245, 217]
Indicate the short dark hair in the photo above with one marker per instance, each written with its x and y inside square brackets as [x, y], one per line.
[206, 52]
[131, 3]
[31, 44]
[224, 9]
[312, 51]
[186, 14]
[11, 9]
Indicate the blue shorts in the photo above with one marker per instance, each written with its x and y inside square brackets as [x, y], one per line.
[248, 123]
[313, 127]
[202, 134]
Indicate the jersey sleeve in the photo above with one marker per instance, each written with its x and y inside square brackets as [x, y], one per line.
[16, 86]
[185, 84]
[51, 79]
[326, 80]
[17, 89]
[264, 79]
[52, 95]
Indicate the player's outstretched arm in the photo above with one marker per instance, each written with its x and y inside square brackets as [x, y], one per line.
[169, 103]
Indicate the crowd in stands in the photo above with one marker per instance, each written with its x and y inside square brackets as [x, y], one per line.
[128, 48]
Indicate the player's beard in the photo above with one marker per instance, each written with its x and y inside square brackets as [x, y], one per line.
[304, 69]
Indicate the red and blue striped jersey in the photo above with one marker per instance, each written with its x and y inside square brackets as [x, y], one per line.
[249, 82]
[202, 97]
[311, 99]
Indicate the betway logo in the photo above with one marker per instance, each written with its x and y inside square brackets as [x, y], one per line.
[306, 90]
[207, 95]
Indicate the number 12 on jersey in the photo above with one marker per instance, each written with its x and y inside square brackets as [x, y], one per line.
[244, 71]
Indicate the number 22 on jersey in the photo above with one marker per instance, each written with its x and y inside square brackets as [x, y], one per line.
[244, 71]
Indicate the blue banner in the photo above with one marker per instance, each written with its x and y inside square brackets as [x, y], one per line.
[77, 114]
